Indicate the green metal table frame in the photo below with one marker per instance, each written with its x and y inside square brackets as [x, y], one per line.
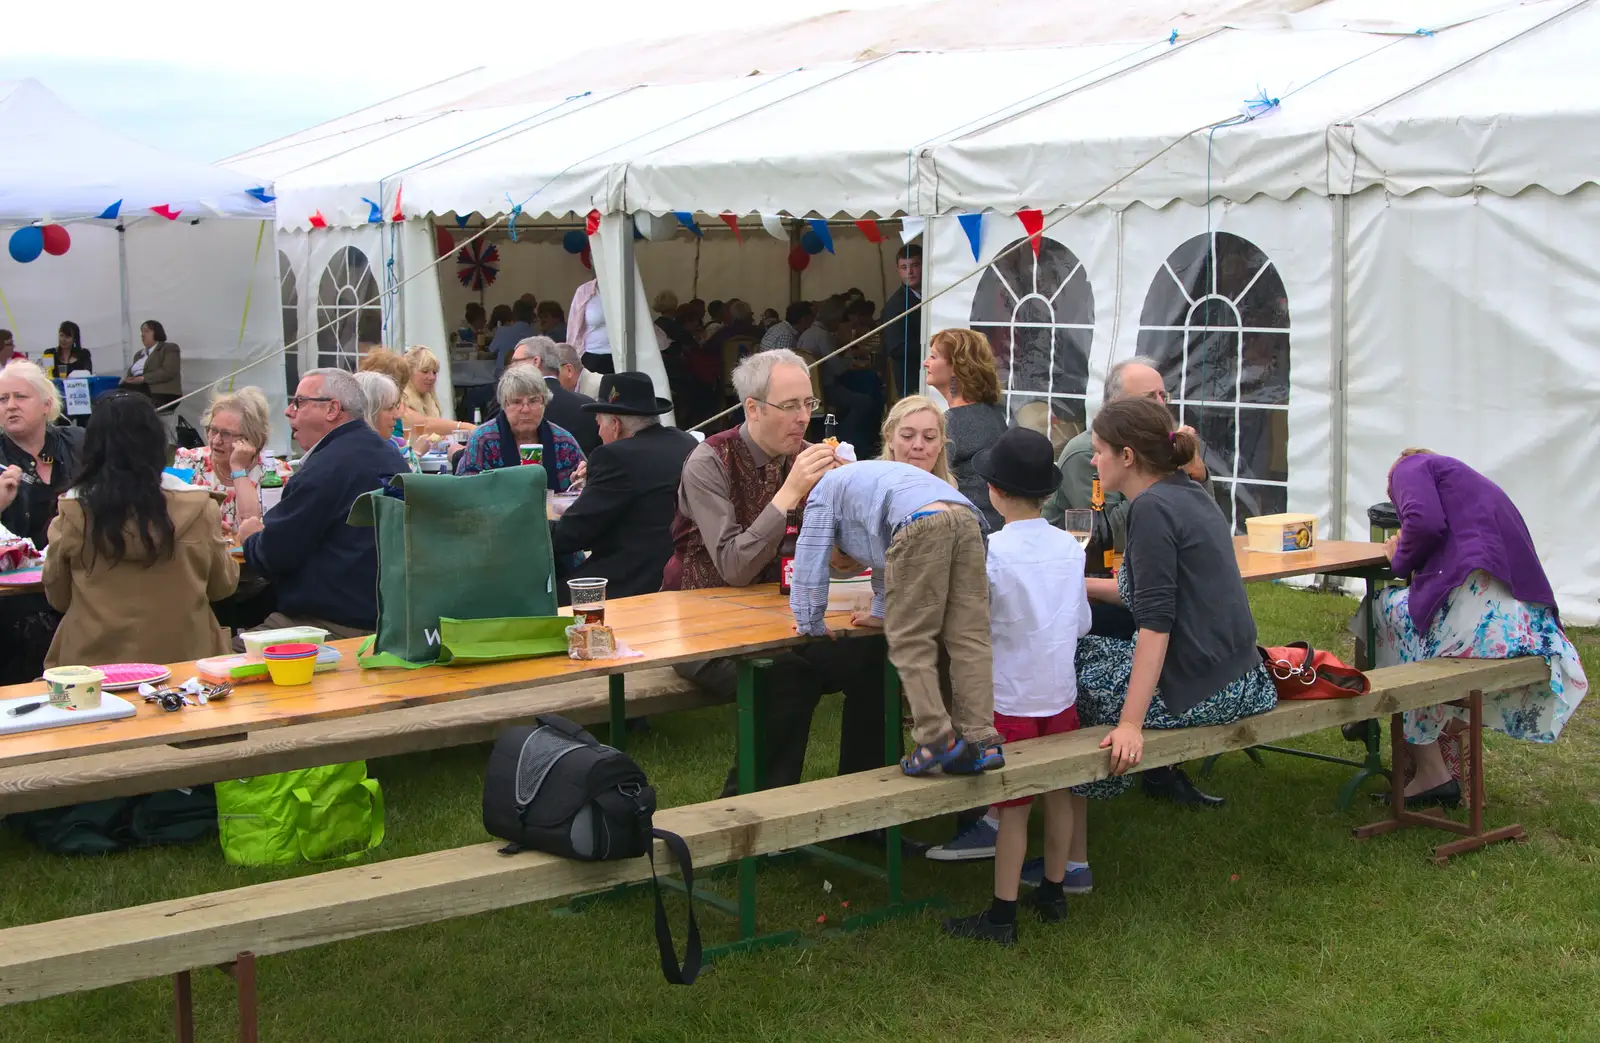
[751, 707]
[1370, 766]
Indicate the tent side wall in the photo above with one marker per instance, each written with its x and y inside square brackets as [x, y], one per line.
[1255, 381]
[215, 292]
[1472, 326]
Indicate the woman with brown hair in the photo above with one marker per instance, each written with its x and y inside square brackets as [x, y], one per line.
[400, 368]
[1193, 660]
[960, 366]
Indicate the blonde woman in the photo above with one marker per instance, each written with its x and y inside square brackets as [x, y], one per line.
[915, 434]
[236, 426]
[961, 366]
[402, 370]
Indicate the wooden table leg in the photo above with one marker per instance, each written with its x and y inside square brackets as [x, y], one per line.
[619, 710]
[183, 1007]
[1473, 836]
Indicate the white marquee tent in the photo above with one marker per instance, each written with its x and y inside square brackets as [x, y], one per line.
[195, 274]
[1342, 227]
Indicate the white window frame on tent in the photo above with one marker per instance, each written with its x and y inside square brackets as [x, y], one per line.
[346, 301]
[1073, 296]
[1156, 340]
[289, 301]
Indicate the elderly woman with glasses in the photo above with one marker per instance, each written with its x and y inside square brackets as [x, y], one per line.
[236, 427]
[523, 395]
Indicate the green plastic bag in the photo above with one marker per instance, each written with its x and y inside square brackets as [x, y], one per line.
[467, 641]
[311, 815]
[475, 547]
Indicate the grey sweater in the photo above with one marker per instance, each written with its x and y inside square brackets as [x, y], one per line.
[972, 429]
[1185, 583]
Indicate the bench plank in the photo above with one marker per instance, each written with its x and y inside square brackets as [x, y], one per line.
[56, 783]
[109, 948]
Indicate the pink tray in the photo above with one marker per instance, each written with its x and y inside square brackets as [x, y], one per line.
[22, 577]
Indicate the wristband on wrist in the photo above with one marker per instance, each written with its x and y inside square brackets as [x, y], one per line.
[239, 474]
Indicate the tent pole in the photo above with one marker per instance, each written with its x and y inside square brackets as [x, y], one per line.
[1338, 377]
[127, 310]
[794, 276]
[630, 317]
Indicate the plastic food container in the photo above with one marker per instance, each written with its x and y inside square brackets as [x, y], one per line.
[74, 687]
[256, 643]
[1281, 533]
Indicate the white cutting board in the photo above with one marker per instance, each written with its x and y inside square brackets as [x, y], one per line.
[111, 708]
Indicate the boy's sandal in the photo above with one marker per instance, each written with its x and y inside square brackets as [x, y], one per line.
[924, 760]
[977, 759]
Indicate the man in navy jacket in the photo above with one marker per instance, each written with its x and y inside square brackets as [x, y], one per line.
[324, 570]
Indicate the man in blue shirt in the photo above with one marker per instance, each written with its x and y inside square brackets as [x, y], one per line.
[923, 541]
[506, 338]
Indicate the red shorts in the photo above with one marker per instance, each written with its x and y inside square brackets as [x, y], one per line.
[1016, 729]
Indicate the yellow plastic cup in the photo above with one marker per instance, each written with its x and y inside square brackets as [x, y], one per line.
[290, 672]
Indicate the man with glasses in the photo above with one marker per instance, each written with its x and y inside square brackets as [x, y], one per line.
[324, 570]
[738, 493]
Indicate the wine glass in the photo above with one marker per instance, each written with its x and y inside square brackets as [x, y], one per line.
[1080, 523]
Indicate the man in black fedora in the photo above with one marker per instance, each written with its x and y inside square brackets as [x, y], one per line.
[623, 516]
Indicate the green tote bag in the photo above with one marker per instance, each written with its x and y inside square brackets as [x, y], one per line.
[470, 547]
[310, 815]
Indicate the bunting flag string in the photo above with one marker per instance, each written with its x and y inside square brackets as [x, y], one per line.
[1032, 223]
[686, 219]
[820, 226]
[166, 211]
[374, 212]
[110, 212]
[591, 223]
[260, 195]
[396, 216]
[773, 223]
[731, 219]
[462, 219]
[871, 230]
[972, 224]
[911, 227]
[317, 220]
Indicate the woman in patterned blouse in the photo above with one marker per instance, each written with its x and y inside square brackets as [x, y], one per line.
[522, 394]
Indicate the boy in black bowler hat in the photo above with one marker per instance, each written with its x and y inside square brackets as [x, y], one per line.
[1038, 608]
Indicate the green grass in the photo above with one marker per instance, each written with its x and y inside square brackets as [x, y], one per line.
[1263, 921]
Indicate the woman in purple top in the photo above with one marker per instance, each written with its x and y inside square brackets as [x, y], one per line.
[1477, 592]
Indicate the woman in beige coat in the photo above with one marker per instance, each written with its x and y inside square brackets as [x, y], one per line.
[136, 556]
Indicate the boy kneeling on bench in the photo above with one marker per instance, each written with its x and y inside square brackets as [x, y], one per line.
[924, 544]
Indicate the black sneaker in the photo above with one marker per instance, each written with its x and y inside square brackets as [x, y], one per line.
[979, 928]
[1048, 910]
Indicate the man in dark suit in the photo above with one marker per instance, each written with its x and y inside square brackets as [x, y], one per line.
[623, 516]
[903, 340]
[561, 366]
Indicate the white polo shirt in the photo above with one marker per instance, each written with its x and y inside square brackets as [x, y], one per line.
[1038, 608]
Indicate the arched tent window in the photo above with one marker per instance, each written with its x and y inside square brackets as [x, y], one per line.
[347, 297]
[1038, 313]
[1216, 319]
[289, 303]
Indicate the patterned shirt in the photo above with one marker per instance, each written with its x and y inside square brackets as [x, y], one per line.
[483, 453]
[781, 335]
[859, 507]
[198, 463]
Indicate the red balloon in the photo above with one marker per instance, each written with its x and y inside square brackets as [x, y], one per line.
[443, 242]
[799, 260]
[587, 259]
[56, 240]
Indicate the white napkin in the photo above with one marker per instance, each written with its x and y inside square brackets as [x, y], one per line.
[846, 452]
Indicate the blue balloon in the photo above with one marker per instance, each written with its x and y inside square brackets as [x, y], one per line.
[810, 242]
[27, 244]
[574, 241]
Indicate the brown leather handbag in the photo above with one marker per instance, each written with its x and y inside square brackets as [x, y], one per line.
[1302, 672]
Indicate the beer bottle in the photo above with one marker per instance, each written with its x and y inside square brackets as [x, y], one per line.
[791, 537]
[1101, 552]
[830, 427]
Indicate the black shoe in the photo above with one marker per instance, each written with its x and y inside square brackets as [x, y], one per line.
[1355, 731]
[979, 928]
[1444, 795]
[908, 848]
[1173, 785]
[1048, 910]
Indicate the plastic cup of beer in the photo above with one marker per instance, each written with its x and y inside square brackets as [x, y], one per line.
[531, 454]
[588, 600]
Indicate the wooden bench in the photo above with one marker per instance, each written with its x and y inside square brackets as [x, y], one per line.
[233, 927]
[127, 772]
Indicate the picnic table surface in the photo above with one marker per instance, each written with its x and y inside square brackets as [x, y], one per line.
[666, 628]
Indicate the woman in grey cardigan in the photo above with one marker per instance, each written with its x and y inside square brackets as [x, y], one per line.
[1193, 660]
[961, 365]
[156, 370]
